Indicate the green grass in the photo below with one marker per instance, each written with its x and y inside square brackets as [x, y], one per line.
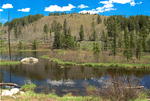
[44, 57]
[53, 97]
[142, 97]
[148, 57]
[30, 50]
[3, 63]
[28, 87]
[107, 65]
[87, 45]
[30, 95]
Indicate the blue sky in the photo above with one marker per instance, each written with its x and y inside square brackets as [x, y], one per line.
[19, 8]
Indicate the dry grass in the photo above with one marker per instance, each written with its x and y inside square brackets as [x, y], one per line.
[35, 30]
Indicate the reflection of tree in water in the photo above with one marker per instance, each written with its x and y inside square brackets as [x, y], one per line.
[34, 53]
[122, 88]
[65, 72]
[124, 72]
[1, 76]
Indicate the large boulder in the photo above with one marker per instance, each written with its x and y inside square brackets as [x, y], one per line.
[29, 60]
[11, 92]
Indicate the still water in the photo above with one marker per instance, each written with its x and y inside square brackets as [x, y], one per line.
[51, 77]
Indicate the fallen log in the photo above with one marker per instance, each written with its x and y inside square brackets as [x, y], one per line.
[9, 84]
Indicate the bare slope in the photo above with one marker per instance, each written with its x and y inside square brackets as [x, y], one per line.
[35, 30]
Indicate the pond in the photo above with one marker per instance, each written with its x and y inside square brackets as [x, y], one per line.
[70, 79]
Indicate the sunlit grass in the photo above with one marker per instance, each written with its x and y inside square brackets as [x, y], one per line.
[29, 50]
[3, 63]
[30, 95]
[108, 65]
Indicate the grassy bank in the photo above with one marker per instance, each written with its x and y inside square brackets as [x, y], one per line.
[38, 50]
[107, 65]
[4, 63]
[30, 95]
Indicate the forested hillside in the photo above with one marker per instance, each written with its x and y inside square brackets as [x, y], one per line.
[128, 35]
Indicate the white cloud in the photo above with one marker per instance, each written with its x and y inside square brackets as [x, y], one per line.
[122, 1]
[7, 6]
[93, 11]
[24, 10]
[109, 5]
[131, 2]
[82, 6]
[1, 10]
[53, 8]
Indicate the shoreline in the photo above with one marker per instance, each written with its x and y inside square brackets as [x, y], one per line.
[6, 63]
[107, 65]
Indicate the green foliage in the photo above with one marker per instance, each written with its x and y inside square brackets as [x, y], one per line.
[65, 27]
[127, 50]
[57, 14]
[81, 33]
[99, 20]
[96, 48]
[148, 43]
[104, 40]
[56, 28]
[28, 87]
[45, 29]
[23, 21]
[93, 37]
[4, 63]
[34, 45]
[135, 38]
[100, 65]
[20, 45]
[62, 39]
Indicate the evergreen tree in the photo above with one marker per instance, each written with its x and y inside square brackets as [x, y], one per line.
[99, 20]
[56, 28]
[81, 33]
[96, 51]
[65, 27]
[34, 45]
[104, 40]
[127, 51]
[46, 31]
[94, 35]
[138, 49]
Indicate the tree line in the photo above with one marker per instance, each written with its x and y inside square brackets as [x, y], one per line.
[129, 35]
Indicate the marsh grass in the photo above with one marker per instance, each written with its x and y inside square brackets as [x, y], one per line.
[38, 50]
[30, 95]
[28, 87]
[106, 65]
[3, 63]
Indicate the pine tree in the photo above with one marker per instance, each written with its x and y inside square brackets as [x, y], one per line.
[94, 35]
[99, 20]
[34, 45]
[127, 44]
[81, 33]
[56, 28]
[65, 27]
[138, 49]
[96, 51]
[46, 30]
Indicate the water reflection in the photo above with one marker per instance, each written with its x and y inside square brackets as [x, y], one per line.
[51, 77]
